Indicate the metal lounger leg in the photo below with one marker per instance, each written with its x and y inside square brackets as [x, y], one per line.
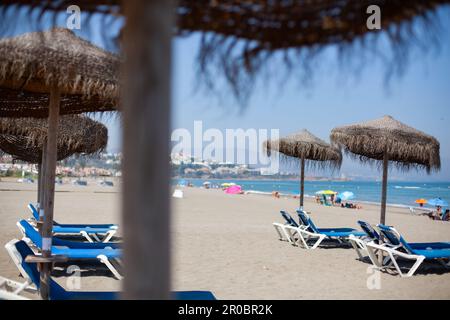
[86, 235]
[319, 241]
[110, 266]
[358, 247]
[109, 235]
[277, 229]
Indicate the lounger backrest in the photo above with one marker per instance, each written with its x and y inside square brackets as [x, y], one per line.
[33, 211]
[394, 237]
[289, 220]
[31, 269]
[23, 251]
[369, 230]
[306, 220]
[31, 233]
[302, 217]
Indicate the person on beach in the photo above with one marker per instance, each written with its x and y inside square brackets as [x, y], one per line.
[446, 215]
[435, 215]
[431, 215]
[350, 205]
[317, 199]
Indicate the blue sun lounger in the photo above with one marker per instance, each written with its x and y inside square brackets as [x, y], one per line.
[360, 243]
[283, 233]
[397, 247]
[91, 232]
[328, 232]
[19, 250]
[29, 230]
[104, 252]
[308, 231]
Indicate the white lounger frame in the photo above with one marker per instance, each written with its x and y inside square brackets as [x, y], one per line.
[370, 248]
[92, 237]
[390, 260]
[109, 263]
[6, 294]
[288, 232]
[360, 245]
[282, 233]
[96, 236]
[102, 258]
[304, 236]
[10, 289]
[393, 253]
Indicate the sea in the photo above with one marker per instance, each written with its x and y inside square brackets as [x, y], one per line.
[401, 194]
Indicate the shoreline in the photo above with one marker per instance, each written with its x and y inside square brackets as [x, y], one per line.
[295, 196]
[314, 180]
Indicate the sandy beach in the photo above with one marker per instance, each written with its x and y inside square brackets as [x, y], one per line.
[226, 244]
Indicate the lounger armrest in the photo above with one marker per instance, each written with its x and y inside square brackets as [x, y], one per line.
[41, 259]
[394, 251]
[304, 231]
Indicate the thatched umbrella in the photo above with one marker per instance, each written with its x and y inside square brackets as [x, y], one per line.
[239, 38]
[85, 75]
[309, 149]
[58, 64]
[24, 139]
[384, 140]
[19, 103]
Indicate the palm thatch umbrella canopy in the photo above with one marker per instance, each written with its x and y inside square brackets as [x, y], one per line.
[58, 64]
[24, 138]
[19, 103]
[31, 64]
[384, 140]
[309, 149]
[240, 37]
[327, 21]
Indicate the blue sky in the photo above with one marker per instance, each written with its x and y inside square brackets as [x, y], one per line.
[420, 98]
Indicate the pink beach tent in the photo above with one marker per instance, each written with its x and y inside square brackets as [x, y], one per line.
[233, 189]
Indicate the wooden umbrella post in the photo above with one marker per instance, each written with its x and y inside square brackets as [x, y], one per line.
[146, 170]
[302, 180]
[384, 188]
[383, 198]
[39, 180]
[42, 187]
[49, 185]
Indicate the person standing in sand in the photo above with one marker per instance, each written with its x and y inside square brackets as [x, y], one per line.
[317, 199]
